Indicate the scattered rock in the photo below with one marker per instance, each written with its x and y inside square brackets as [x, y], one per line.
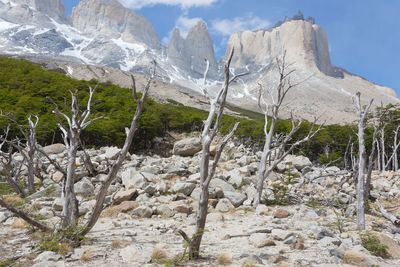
[281, 213]
[184, 188]
[187, 147]
[57, 176]
[337, 253]
[300, 162]
[279, 234]
[235, 198]
[47, 256]
[260, 240]
[143, 212]
[122, 196]
[165, 210]
[84, 188]
[359, 257]
[130, 177]
[54, 149]
[393, 248]
[181, 207]
[111, 153]
[224, 205]
[126, 206]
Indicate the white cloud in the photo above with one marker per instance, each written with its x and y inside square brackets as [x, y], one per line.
[227, 27]
[138, 4]
[184, 24]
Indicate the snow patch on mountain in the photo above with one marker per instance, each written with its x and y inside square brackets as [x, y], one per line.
[5, 25]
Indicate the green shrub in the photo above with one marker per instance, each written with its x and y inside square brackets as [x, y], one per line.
[371, 242]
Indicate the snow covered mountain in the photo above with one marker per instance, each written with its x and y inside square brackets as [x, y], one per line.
[105, 33]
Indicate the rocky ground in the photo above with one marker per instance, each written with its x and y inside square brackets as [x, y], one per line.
[154, 196]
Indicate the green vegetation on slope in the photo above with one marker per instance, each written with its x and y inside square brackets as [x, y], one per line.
[24, 87]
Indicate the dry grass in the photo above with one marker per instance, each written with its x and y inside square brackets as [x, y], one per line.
[158, 254]
[111, 212]
[31, 256]
[224, 259]
[13, 199]
[87, 255]
[35, 206]
[65, 248]
[18, 224]
[117, 243]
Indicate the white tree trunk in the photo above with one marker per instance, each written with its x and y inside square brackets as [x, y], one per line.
[362, 155]
[277, 95]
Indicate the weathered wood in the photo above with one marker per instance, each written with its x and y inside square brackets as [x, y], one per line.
[24, 216]
[112, 174]
[263, 231]
[281, 147]
[362, 156]
[387, 215]
[207, 172]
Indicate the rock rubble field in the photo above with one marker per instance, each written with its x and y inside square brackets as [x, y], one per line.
[307, 219]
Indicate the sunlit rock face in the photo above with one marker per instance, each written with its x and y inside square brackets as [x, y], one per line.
[190, 53]
[110, 18]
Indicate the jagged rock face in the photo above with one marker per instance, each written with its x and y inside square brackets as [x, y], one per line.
[324, 89]
[190, 53]
[306, 45]
[36, 12]
[113, 20]
[50, 41]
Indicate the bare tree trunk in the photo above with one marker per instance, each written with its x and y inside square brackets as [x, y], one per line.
[207, 172]
[70, 211]
[76, 123]
[394, 153]
[383, 149]
[370, 162]
[130, 133]
[378, 156]
[362, 155]
[346, 155]
[29, 151]
[277, 95]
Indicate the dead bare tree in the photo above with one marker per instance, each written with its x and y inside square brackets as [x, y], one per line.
[280, 146]
[217, 105]
[382, 149]
[130, 133]
[378, 124]
[393, 157]
[362, 156]
[71, 127]
[71, 130]
[346, 155]
[12, 169]
[29, 150]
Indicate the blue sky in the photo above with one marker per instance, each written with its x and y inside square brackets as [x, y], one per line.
[364, 35]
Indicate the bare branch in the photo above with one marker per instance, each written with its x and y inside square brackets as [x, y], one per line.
[24, 216]
[134, 93]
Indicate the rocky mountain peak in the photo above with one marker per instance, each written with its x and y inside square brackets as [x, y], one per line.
[110, 18]
[305, 42]
[36, 12]
[191, 52]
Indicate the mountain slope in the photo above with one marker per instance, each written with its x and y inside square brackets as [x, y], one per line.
[105, 33]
